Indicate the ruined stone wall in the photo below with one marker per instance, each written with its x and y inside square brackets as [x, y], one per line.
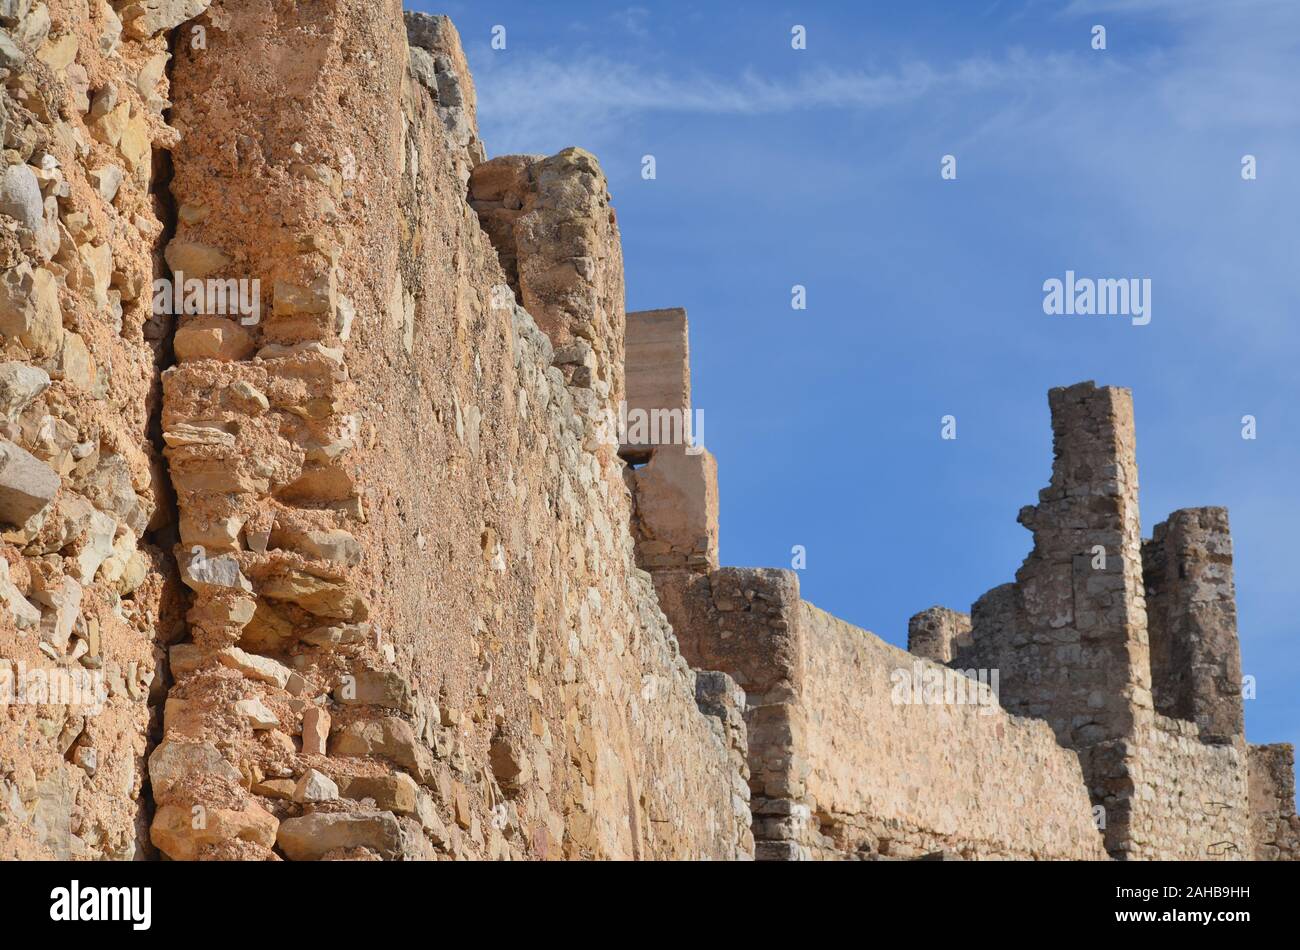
[1274, 827]
[1192, 618]
[417, 630]
[85, 592]
[843, 766]
[1071, 641]
[553, 224]
[938, 634]
[1155, 717]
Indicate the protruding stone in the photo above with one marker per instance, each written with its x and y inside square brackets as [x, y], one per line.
[260, 668]
[180, 837]
[255, 713]
[20, 196]
[107, 180]
[212, 338]
[311, 837]
[29, 309]
[315, 786]
[27, 485]
[20, 384]
[397, 792]
[222, 572]
[175, 762]
[315, 730]
[195, 260]
[24, 614]
[365, 687]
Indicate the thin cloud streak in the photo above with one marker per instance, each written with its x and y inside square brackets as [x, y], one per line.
[548, 95]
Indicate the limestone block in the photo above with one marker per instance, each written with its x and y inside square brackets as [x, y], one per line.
[174, 833]
[29, 309]
[311, 837]
[27, 485]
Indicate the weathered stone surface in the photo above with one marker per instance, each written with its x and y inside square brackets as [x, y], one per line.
[144, 18]
[27, 485]
[311, 837]
[176, 762]
[315, 786]
[29, 309]
[174, 830]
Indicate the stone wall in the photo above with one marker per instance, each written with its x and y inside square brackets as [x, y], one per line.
[553, 224]
[87, 597]
[1069, 638]
[672, 476]
[1127, 648]
[370, 570]
[417, 628]
[938, 634]
[1274, 827]
[843, 764]
[1193, 804]
[1192, 616]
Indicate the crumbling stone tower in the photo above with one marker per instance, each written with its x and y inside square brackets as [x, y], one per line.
[1128, 649]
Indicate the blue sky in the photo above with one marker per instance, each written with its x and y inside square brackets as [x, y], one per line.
[820, 167]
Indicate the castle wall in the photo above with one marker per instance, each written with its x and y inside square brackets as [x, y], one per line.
[1192, 795]
[1274, 827]
[1192, 615]
[843, 766]
[362, 571]
[673, 478]
[658, 365]
[87, 596]
[1155, 717]
[416, 576]
[557, 233]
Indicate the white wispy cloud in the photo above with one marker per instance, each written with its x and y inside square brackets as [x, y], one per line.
[1221, 65]
[555, 96]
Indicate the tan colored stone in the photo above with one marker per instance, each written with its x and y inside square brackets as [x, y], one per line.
[315, 730]
[29, 309]
[180, 833]
[195, 260]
